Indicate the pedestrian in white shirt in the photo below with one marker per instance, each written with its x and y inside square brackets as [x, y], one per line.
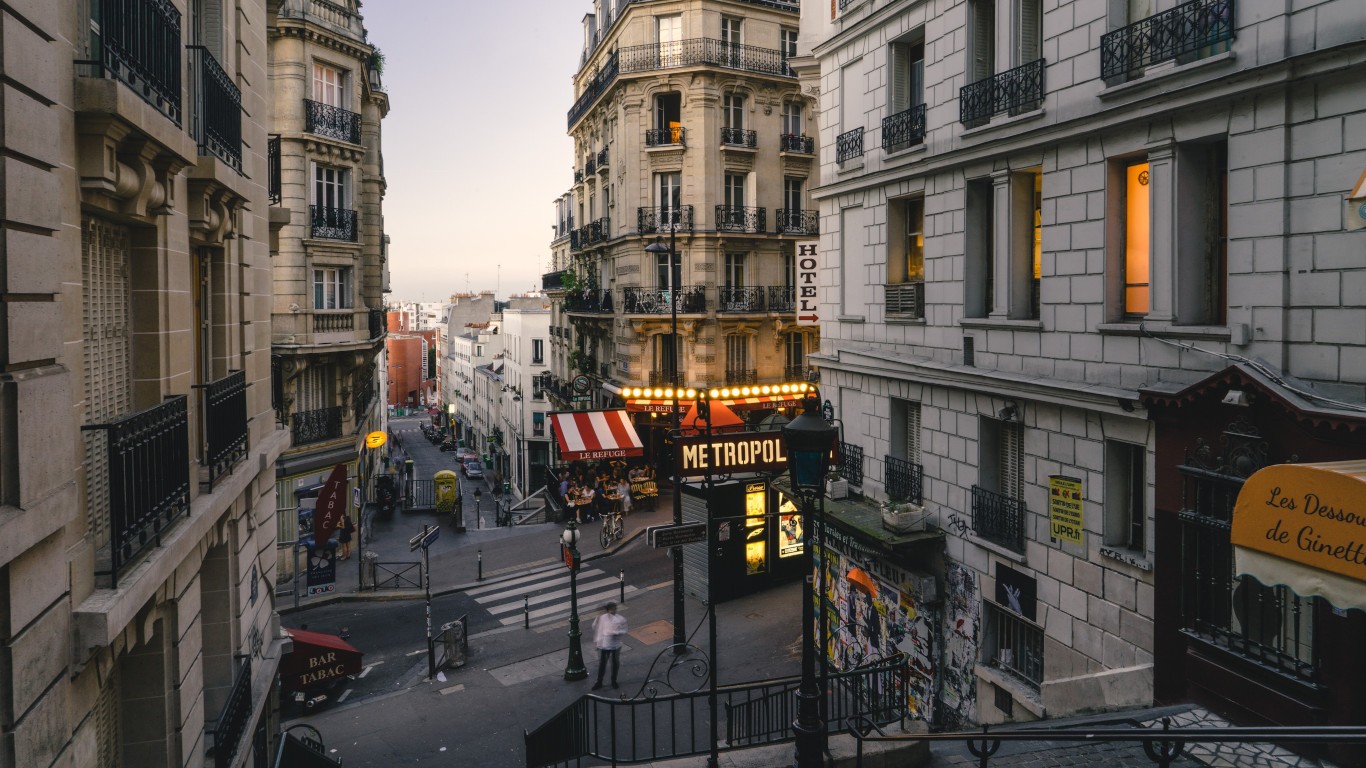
[608, 629]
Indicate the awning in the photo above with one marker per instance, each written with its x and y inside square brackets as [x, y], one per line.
[595, 435]
[1304, 526]
[318, 660]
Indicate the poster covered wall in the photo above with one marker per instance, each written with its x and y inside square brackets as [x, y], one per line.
[958, 686]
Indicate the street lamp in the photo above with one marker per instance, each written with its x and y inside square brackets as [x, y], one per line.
[808, 440]
[657, 248]
[574, 670]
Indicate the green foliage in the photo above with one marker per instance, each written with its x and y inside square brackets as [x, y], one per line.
[377, 60]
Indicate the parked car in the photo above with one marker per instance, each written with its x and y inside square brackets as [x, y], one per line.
[472, 468]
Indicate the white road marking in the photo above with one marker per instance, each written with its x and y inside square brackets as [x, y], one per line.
[556, 595]
[367, 669]
[505, 584]
[452, 689]
[414, 653]
[342, 697]
[586, 602]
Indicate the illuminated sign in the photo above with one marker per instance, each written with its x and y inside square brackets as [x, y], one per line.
[807, 276]
[725, 454]
[1313, 515]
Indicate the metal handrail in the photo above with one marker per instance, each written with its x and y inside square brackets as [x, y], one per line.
[732, 298]
[739, 218]
[233, 718]
[797, 221]
[791, 142]
[139, 44]
[658, 219]
[851, 463]
[327, 223]
[782, 298]
[739, 137]
[317, 425]
[664, 137]
[273, 185]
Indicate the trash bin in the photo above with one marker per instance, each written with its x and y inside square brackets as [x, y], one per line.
[367, 569]
[453, 635]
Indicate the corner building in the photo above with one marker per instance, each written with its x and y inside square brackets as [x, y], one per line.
[1066, 249]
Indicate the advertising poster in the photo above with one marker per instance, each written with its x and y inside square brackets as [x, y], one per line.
[322, 569]
[1065, 508]
[756, 530]
[789, 528]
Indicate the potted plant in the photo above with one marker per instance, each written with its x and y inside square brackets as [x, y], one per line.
[903, 516]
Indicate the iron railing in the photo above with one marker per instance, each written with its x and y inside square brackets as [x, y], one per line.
[664, 378]
[732, 298]
[736, 376]
[794, 372]
[739, 218]
[363, 395]
[655, 220]
[663, 137]
[602, 80]
[317, 425]
[782, 298]
[273, 183]
[332, 223]
[851, 463]
[1015, 91]
[589, 300]
[1196, 29]
[334, 322]
[225, 423]
[849, 145]
[655, 301]
[905, 480]
[233, 719]
[217, 108]
[333, 122]
[139, 44]
[599, 230]
[419, 495]
[1013, 645]
[148, 458]
[905, 300]
[377, 324]
[578, 238]
[590, 167]
[578, 175]
[553, 281]
[998, 518]
[796, 221]
[739, 137]
[791, 142]
[702, 51]
[904, 129]
[602, 160]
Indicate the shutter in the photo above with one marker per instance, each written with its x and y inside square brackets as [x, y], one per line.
[108, 747]
[1030, 20]
[107, 352]
[1012, 461]
[913, 432]
[901, 78]
[210, 31]
[983, 39]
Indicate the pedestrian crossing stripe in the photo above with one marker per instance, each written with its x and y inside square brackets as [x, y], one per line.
[556, 595]
[587, 602]
[536, 586]
[509, 601]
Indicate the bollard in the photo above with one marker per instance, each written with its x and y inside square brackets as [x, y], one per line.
[621, 579]
[526, 611]
[481, 565]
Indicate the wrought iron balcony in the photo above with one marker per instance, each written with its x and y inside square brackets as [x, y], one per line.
[590, 167]
[905, 299]
[702, 51]
[794, 372]
[597, 86]
[602, 160]
[578, 175]
[224, 403]
[274, 186]
[655, 220]
[332, 223]
[796, 221]
[233, 719]
[363, 395]
[736, 376]
[904, 129]
[316, 426]
[146, 460]
[333, 322]
[738, 137]
[589, 300]
[791, 142]
[782, 298]
[553, 281]
[578, 238]
[664, 378]
[740, 299]
[217, 108]
[655, 301]
[1014, 91]
[998, 518]
[333, 122]
[1195, 29]
[851, 463]
[905, 480]
[377, 324]
[599, 230]
[139, 44]
[849, 145]
[734, 218]
[664, 137]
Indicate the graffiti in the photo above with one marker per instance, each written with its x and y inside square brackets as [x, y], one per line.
[958, 678]
[958, 525]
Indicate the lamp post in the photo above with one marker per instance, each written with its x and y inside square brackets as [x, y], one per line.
[808, 440]
[574, 670]
[658, 247]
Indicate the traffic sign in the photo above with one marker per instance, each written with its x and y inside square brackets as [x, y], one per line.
[424, 539]
[664, 536]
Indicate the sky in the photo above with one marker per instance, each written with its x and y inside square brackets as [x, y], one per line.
[475, 148]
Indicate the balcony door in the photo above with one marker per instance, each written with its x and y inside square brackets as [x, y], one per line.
[792, 118]
[329, 187]
[735, 190]
[795, 354]
[666, 355]
[662, 262]
[737, 358]
[668, 197]
[669, 115]
[731, 40]
[733, 113]
[735, 271]
[328, 85]
[792, 195]
[669, 33]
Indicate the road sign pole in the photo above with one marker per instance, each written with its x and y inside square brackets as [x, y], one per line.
[427, 583]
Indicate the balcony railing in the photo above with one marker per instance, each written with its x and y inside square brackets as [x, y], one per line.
[225, 423]
[217, 108]
[602, 80]
[794, 372]
[736, 376]
[740, 299]
[1195, 29]
[782, 298]
[332, 223]
[553, 281]
[599, 230]
[791, 142]
[147, 457]
[363, 396]
[655, 220]
[663, 378]
[602, 160]
[139, 44]
[578, 239]
[333, 322]
[905, 480]
[274, 186]
[998, 518]
[593, 301]
[851, 463]
[333, 122]
[904, 129]
[590, 167]
[738, 137]
[735, 218]
[377, 323]
[849, 145]
[906, 300]
[232, 721]
[655, 301]
[664, 137]
[795, 221]
[702, 51]
[578, 175]
[1015, 91]
[316, 426]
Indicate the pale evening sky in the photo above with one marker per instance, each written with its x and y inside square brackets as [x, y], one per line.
[475, 148]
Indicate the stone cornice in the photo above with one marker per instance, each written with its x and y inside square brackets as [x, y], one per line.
[313, 34]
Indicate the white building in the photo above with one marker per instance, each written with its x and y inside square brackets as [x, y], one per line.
[526, 334]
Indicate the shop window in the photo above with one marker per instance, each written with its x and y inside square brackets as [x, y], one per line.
[1126, 511]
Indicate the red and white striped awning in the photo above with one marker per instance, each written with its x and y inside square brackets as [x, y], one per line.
[595, 435]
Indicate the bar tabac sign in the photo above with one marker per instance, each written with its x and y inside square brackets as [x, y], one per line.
[699, 455]
[1310, 514]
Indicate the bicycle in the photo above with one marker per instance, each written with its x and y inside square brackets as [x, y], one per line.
[612, 528]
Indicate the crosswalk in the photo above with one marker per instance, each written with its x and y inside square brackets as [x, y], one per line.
[545, 595]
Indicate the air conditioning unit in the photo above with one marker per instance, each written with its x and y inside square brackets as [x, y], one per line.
[836, 488]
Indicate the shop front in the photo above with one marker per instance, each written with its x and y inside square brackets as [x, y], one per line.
[758, 536]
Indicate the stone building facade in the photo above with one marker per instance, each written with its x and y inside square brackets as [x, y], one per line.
[1045, 223]
[137, 491]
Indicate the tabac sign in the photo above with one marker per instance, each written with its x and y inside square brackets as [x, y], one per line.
[726, 454]
[1312, 514]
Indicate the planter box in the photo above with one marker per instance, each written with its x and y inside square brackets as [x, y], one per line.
[837, 489]
[904, 518]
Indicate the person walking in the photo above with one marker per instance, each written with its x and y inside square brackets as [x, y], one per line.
[608, 629]
[344, 536]
[624, 493]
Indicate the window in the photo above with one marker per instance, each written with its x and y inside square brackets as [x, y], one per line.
[668, 197]
[1030, 229]
[1029, 32]
[1001, 457]
[537, 420]
[537, 351]
[906, 260]
[669, 33]
[1125, 496]
[789, 270]
[908, 75]
[1012, 644]
[982, 42]
[792, 194]
[668, 117]
[1137, 235]
[851, 96]
[735, 270]
[795, 355]
[206, 24]
[737, 355]
[332, 288]
[787, 47]
[1201, 230]
[666, 359]
[978, 277]
[731, 41]
[662, 281]
[329, 187]
[328, 85]
[735, 190]
[733, 112]
[792, 118]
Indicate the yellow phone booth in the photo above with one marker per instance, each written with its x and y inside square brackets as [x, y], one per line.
[447, 485]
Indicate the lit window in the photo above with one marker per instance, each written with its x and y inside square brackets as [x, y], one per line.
[1137, 248]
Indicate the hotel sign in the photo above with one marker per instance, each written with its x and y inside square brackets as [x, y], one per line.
[1304, 513]
[727, 454]
[808, 275]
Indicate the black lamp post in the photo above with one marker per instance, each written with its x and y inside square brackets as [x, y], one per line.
[656, 248]
[574, 669]
[808, 440]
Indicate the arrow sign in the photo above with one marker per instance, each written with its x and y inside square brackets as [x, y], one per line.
[424, 539]
[809, 319]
